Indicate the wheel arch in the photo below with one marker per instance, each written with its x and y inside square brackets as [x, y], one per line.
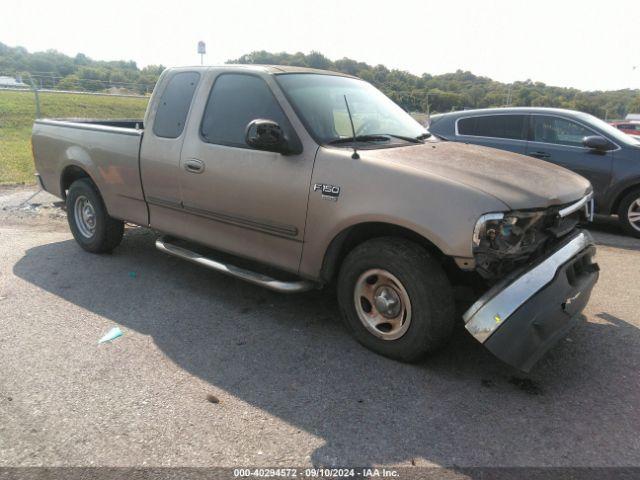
[615, 205]
[70, 174]
[350, 237]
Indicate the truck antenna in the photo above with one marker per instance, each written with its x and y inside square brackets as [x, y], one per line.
[355, 155]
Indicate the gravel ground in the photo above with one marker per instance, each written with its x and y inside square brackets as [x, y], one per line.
[211, 371]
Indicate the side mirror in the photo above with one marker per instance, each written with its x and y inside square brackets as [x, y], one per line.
[267, 135]
[596, 142]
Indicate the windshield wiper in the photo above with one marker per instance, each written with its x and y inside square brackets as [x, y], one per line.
[418, 139]
[360, 138]
[406, 139]
[380, 137]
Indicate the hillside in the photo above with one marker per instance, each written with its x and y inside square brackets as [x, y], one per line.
[437, 93]
[460, 90]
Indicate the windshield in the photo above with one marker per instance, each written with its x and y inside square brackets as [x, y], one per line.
[616, 134]
[319, 101]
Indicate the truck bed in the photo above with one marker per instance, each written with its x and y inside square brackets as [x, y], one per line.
[105, 150]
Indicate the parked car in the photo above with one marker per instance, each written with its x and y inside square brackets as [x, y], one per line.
[304, 177]
[630, 128]
[604, 155]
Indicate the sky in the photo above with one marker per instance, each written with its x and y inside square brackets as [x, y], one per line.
[588, 44]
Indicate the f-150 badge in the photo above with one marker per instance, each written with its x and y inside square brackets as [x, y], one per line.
[329, 192]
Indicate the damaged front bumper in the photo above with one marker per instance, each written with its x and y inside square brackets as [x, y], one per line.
[521, 317]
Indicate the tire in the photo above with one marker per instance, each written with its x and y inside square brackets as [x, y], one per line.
[95, 231]
[395, 268]
[629, 206]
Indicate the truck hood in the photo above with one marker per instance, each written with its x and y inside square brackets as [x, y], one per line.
[519, 181]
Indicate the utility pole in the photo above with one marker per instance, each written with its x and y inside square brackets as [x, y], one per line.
[428, 110]
[429, 107]
[509, 95]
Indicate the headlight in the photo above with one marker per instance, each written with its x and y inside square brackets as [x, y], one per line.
[501, 231]
[485, 224]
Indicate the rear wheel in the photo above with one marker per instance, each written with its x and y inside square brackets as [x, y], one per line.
[395, 298]
[629, 213]
[91, 226]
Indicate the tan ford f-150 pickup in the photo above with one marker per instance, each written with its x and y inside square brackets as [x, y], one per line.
[292, 178]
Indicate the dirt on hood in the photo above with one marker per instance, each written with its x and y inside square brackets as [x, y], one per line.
[519, 181]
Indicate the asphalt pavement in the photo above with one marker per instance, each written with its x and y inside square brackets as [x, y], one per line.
[211, 371]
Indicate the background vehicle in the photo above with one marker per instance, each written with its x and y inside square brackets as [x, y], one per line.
[604, 155]
[630, 128]
[261, 163]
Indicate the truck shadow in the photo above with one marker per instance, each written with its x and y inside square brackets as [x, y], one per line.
[291, 357]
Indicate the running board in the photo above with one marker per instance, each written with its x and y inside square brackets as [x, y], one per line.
[256, 278]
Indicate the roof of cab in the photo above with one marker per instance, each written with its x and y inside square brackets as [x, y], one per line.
[269, 69]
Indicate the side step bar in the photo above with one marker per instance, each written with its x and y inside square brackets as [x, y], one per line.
[163, 244]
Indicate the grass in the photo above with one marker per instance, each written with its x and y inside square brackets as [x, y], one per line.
[17, 112]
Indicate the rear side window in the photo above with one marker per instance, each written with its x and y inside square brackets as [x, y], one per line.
[174, 105]
[558, 131]
[494, 126]
[236, 100]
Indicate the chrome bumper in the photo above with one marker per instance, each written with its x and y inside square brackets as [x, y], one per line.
[496, 306]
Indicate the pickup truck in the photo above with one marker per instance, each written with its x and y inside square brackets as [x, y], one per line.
[295, 178]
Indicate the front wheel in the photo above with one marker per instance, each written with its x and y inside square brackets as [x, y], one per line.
[629, 213]
[395, 298]
[91, 226]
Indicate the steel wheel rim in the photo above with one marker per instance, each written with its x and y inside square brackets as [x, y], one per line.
[633, 214]
[85, 216]
[382, 304]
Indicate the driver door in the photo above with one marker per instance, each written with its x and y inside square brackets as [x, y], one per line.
[559, 140]
[244, 201]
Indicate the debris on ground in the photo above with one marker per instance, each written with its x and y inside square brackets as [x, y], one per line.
[112, 334]
[28, 202]
[213, 399]
[526, 385]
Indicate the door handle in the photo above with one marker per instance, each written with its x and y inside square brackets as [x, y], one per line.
[194, 165]
[540, 154]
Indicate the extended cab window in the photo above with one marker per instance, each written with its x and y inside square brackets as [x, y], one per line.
[558, 131]
[174, 105]
[236, 100]
[494, 126]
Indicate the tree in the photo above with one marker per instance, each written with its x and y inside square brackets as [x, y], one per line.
[456, 90]
[317, 60]
[70, 82]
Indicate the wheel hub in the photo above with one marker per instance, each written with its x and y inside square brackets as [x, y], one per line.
[633, 214]
[85, 216]
[382, 304]
[387, 301]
